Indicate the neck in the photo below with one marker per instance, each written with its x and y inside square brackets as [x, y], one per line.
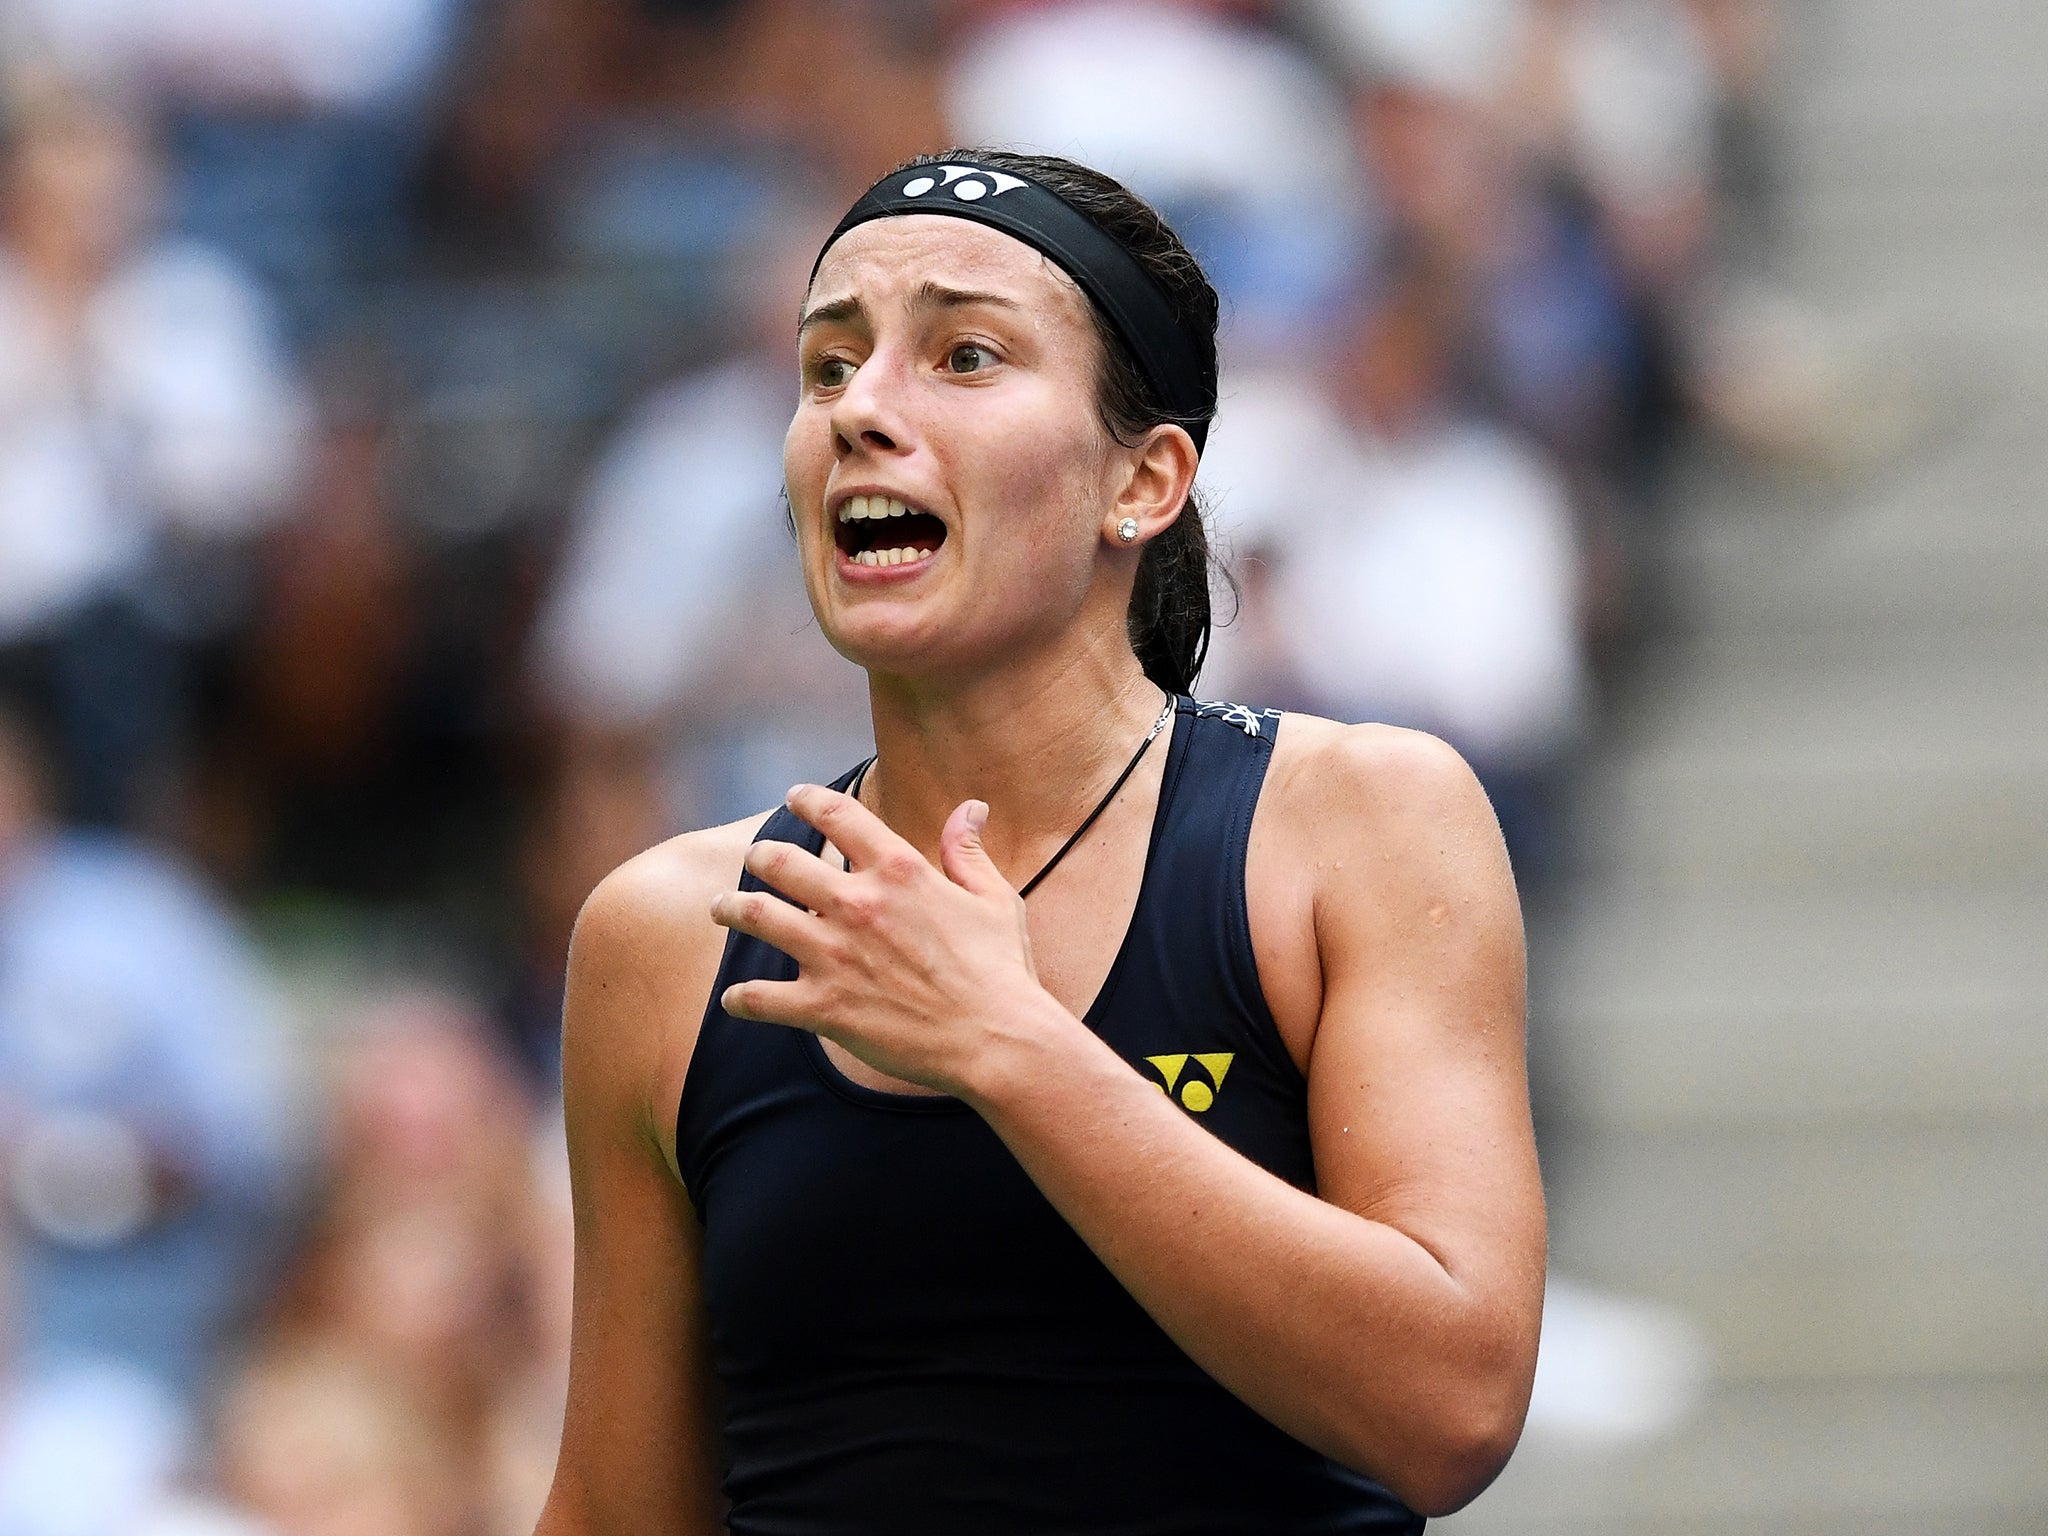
[1038, 739]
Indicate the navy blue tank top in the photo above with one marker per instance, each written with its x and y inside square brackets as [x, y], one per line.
[912, 1341]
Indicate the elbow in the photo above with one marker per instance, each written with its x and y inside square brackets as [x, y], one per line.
[1453, 1475]
[1452, 1452]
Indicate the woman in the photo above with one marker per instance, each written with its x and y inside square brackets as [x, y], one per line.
[1195, 1193]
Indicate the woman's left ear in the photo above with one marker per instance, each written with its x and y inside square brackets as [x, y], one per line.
[1162, 478]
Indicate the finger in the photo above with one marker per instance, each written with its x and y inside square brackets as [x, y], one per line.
[855, 830]
[796, 872]
[962, 855]
[772, 920]
[768, 1002]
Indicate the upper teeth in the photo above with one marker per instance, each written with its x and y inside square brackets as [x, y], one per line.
[871, 506]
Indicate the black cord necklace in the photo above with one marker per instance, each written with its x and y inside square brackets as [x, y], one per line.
[1165, 715]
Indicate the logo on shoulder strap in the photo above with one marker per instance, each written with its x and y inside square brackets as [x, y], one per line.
[1242, 716]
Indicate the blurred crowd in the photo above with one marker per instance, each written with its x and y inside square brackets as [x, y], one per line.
[391, 402]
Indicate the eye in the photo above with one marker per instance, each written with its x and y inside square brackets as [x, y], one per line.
[969, 357]
[831, 372]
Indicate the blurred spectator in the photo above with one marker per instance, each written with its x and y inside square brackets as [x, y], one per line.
[590, 175]
[1552, 337]
[364, 743]
[848, 87]
[1229, 130]
[416, 1271]
[1624, 137]
[143, 1099]
[1409, 561]
[148, 425]
[333, 734]
[510, 346]
[315, 53]
[1624, 91]
[289, 121]
[317, 1442]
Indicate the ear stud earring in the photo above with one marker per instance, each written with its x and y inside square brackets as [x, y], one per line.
[1127, 530]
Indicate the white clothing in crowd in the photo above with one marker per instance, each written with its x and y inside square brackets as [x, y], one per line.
[174, 409]
[1429, 581]
[1642, 99]
[1233, 132]
[1217, 109]
[1637, 88]
[333, 54]
[1466, 49]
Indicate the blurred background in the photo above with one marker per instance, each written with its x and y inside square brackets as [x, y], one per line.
[1644, 394]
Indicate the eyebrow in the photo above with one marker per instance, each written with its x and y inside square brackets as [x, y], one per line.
[927, 296]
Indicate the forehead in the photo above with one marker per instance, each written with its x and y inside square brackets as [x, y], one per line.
[889, 259]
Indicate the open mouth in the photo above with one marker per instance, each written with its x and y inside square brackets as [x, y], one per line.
[880, 530]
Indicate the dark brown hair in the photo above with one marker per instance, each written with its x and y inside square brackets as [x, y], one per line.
[1169, 616]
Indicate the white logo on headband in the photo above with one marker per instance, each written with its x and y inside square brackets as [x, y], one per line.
[976, 185]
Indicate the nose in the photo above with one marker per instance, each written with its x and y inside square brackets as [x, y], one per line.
[864, 418]
[867, 438]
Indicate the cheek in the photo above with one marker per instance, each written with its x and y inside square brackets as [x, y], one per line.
[1040, 481]
[806, 466]
[1043, 508]
[806, 459]
[1052, 553]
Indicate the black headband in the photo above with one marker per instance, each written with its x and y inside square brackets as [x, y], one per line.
[1107, 273]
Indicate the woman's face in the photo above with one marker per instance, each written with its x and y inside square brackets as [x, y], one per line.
[949, 370]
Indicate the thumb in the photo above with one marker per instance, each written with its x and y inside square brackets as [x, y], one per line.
[961, 855]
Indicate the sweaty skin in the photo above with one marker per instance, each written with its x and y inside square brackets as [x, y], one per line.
[1389, 1320]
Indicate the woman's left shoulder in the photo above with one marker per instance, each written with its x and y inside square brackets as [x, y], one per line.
[1383, 784]
[1370, 841]
[1381, 823]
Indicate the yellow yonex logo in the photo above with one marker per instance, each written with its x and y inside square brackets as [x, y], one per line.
[1193, 1093]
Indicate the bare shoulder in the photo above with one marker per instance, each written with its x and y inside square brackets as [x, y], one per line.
[657, 900]
[1374, 783]
[641, 964]
[1363, 833]
[1378, 814]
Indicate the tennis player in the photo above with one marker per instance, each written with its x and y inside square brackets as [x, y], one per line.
[1104, 1111]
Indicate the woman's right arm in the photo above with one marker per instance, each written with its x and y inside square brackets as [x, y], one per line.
[639, 1450]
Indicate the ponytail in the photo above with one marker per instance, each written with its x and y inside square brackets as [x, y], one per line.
[1169, 616]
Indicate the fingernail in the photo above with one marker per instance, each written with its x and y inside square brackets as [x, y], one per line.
[794, 791]
[977, 816]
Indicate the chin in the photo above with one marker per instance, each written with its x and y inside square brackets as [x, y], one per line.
[908, 640]
[909, 660]
[887, 637]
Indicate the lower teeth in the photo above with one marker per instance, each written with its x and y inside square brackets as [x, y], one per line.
[889, 556]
